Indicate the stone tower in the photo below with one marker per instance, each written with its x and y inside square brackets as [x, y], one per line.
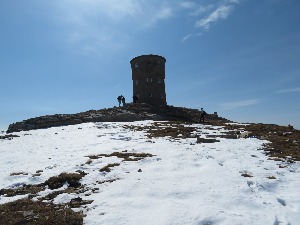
[148, 75]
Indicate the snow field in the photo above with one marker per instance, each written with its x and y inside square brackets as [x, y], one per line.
[183, 183]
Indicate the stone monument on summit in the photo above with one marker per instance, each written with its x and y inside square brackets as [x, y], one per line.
[148, 75]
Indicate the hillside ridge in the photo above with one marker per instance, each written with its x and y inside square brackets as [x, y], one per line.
[284, 140]
[127, 113]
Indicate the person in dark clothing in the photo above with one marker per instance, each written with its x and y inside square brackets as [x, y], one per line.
[123, 100]
[135, 98]
[120, 99]
[202, 115]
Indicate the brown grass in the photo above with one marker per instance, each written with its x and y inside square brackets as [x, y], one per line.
[58, 181]
[246, 175]
[26, 211]
[284, 140]
[126, 156]
[108, 167]
[26, 189]
[18, 173]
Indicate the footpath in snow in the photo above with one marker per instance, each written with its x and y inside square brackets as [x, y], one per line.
[180, 181]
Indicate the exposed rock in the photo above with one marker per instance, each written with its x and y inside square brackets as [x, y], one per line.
[128, 113]
[9, 136]
[77, 202]
[206, 140]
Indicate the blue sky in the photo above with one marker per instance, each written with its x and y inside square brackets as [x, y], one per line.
[240, 58]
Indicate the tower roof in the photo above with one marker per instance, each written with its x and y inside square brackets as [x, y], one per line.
[148, 57]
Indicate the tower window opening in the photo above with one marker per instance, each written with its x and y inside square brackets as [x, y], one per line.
[150, 95]
[161, 96]
[149, 80]
[137, 82]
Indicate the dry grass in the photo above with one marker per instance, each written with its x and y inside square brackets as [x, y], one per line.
[108, 167]
[26, 189]
[26, 211]
[284, 140]
[58, 181]
[173, 129]
[126, 156]
[246, 175]
[18, 173]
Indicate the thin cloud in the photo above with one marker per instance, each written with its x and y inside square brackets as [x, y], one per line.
[163, 13]
[209, 14]
[188, 4]
[185, 38]
[100, 26]
[238, 104]
[221, 12]
[200, 10]
[288, 90]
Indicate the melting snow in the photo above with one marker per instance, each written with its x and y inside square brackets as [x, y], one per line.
[183, 183]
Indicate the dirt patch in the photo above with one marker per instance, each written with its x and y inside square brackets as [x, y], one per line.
[26, 211]
[172, 129]
[126, 156]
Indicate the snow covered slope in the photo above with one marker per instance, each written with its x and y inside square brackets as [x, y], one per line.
[181, 182]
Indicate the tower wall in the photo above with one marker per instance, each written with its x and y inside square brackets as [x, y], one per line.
[148, 76]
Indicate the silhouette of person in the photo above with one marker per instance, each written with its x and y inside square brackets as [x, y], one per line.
[120, 99]
[123, 100]
[135, 98]
[202, 115]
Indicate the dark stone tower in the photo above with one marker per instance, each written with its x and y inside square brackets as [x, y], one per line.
[148, 75]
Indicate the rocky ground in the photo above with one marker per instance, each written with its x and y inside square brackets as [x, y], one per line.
[128, 113]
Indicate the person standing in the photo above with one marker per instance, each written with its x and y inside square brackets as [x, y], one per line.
[120, 99]
[202, 115]
[123, 100]
[135, 98]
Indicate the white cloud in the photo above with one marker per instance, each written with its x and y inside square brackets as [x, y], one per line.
[238, 104]
[112, 9]
[163, 13]
[187, 4]
[288, 90]
[185, 38]
[233, 1]
[200, 10]
[99, 26]
[221, 12]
